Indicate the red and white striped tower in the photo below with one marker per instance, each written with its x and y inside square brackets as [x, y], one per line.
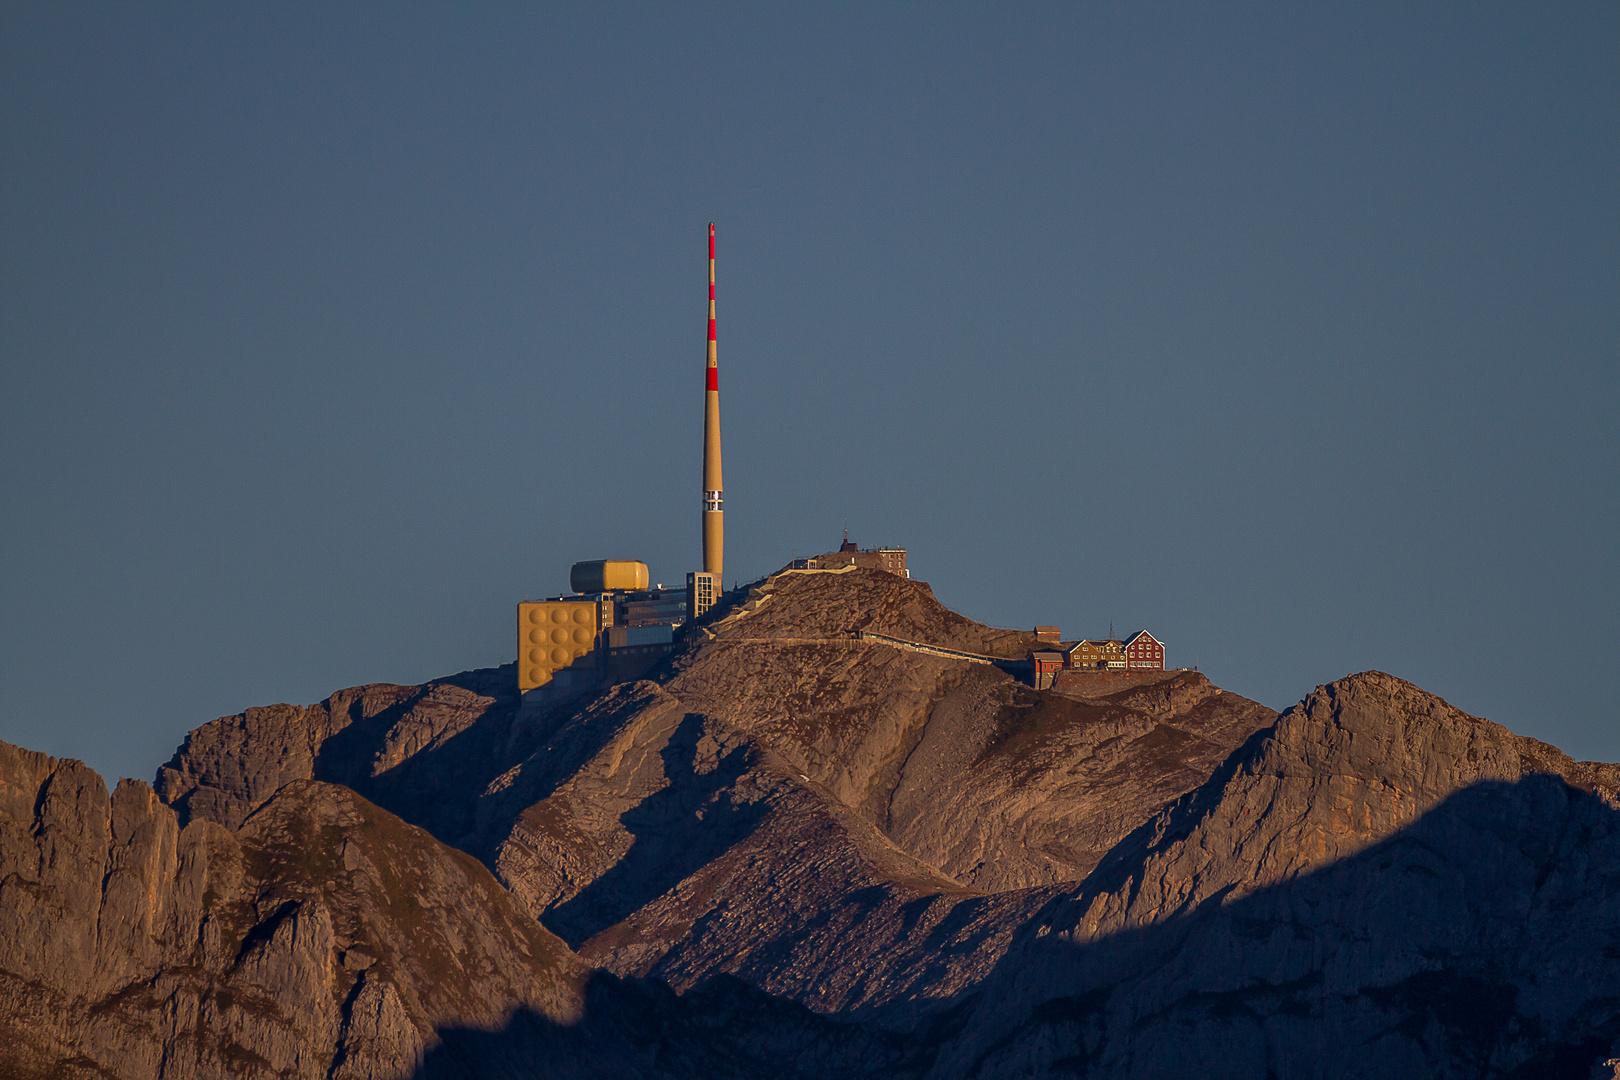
[714, 532]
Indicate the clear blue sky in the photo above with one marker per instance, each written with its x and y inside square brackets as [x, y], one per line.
[328, 332]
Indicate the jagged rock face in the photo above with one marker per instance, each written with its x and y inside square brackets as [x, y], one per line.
[1381, 885]
[403, 747]
[996, 785]
[324, 935]
[327, 938]
[1060, 778]
[972, 782]
[850, 858]
[854, 919]
[678, 847]
[993, 784]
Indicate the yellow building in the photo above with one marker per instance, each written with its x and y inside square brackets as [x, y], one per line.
[1103, 655]
[560, 636]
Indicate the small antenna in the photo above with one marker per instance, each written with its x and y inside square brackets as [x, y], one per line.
[1110, 629]
[846, 530]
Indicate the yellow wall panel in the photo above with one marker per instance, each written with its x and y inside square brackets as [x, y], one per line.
[555, 634]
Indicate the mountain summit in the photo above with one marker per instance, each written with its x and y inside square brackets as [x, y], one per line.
[831, 835]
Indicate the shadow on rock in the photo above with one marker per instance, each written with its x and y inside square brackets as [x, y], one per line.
[444, 748]
[635, 1029]
[441, 782]
[677, 831]
[1479, 941]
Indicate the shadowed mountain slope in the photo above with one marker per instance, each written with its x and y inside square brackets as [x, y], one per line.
[411, 748]
[327, 938]
[1380, 885]
[683, 849]
[794, 852]
[908, 783]
[324, 934]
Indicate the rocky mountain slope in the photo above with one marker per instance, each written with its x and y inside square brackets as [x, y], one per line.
[796, 851]
[322, 930]
[1379, 885]
[324, 938]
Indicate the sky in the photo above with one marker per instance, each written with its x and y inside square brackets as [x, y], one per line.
[329, 332]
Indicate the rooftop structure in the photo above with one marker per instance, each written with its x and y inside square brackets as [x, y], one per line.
[892, 559]
[613, 626]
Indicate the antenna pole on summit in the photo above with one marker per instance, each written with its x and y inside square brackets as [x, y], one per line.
[714, 529]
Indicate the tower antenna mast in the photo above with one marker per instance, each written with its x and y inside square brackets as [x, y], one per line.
[714, 528]
[703, 587]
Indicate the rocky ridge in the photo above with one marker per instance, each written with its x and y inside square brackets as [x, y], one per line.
[319, 936]
[1379, 871]
[324, 938]
[785, 823]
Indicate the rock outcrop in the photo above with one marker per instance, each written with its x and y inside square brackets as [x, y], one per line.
[324, 935]
[1381, 885]
[794, 851]
[940, 778]
[410, 748]
[326, 938]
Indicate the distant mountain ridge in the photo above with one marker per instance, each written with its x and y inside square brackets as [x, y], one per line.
[791, 851]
